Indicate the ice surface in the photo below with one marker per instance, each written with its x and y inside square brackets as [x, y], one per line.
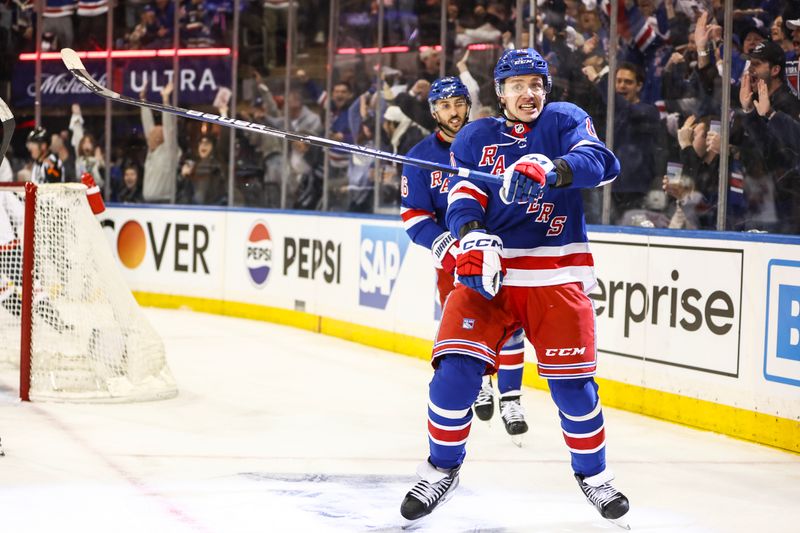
[277, 429]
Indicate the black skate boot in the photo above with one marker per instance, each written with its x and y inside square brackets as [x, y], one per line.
[435, 487]
[484, 405]
[513, 415]
[610, 503]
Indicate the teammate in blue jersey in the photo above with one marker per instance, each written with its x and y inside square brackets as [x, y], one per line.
[524, 262]
[423, 207]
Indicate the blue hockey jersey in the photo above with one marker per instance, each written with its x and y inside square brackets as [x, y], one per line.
[544, 241]
[423, 192]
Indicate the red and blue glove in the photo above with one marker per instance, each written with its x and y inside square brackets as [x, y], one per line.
[445, 250]
[527, 179]
[478, 265]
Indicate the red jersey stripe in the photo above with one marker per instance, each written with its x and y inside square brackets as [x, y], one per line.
[586, 443]
[549, 262]
[448, 435]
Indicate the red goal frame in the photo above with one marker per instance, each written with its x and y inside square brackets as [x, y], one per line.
[26, 317]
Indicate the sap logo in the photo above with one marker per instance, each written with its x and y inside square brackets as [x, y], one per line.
[189, 243]
[565, 352]
[782, 338]
[381, 256]
[258, 253]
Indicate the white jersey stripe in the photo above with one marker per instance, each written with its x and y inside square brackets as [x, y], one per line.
[449, 428]
[584, 418]
[443, 443]
[583, 435]
[548, 251]
[586, 452]
[448, 413]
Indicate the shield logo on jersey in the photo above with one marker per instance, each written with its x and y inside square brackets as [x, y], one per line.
[468, 323]
[519, 129]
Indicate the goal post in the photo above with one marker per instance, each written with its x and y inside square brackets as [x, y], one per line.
[67, 317]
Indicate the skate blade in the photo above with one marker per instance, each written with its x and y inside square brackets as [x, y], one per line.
[620, 522]
[517, 440]
[409, 524]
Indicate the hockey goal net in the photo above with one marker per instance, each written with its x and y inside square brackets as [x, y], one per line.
[67, 317]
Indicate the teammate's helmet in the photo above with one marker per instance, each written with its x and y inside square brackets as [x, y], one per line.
[521, 62]
[447, 87]
[38, 135]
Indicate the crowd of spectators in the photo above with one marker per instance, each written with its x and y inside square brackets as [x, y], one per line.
[667, 100]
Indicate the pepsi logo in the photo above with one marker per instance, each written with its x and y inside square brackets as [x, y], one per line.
[258, 255]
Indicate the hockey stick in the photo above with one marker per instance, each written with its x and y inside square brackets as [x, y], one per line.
[75, 66]
[8, 124]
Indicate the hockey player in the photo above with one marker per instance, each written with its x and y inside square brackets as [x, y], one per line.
[47, 167]
[525, 262]
[423, 206]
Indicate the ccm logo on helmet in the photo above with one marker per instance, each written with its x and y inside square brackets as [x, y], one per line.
[564, 352]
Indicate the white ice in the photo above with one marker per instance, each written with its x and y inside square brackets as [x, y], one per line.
[277, 429]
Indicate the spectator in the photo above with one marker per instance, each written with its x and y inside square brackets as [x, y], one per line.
[58, 21]
[305, 163]
[360, 186]
[431, 59]
[414, 103]
[184, 193]
[92, 15]
[88, 156]
[301, 118]
[47, 167]
[61, 149]
[638, 141]
[402, 133]
[208, 177]
[196, 25]
[275, 17]
[768, 128]
[341, 100]
[131, 190]
[162, 152]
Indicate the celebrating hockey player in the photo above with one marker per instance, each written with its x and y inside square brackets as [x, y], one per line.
[524, 262]
[424, 203]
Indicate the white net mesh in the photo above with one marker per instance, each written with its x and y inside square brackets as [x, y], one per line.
[90, 341]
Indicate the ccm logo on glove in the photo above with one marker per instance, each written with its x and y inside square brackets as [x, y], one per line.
[484, 244]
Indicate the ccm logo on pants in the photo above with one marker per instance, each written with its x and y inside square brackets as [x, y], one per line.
[564, 352]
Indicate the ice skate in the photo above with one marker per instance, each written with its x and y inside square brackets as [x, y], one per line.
[609, 502]
[513, 415]
[484, 405]
[435, 487]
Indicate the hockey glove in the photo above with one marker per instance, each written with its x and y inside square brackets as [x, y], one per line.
[445, 250]
[527, 179]
[478, 265]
